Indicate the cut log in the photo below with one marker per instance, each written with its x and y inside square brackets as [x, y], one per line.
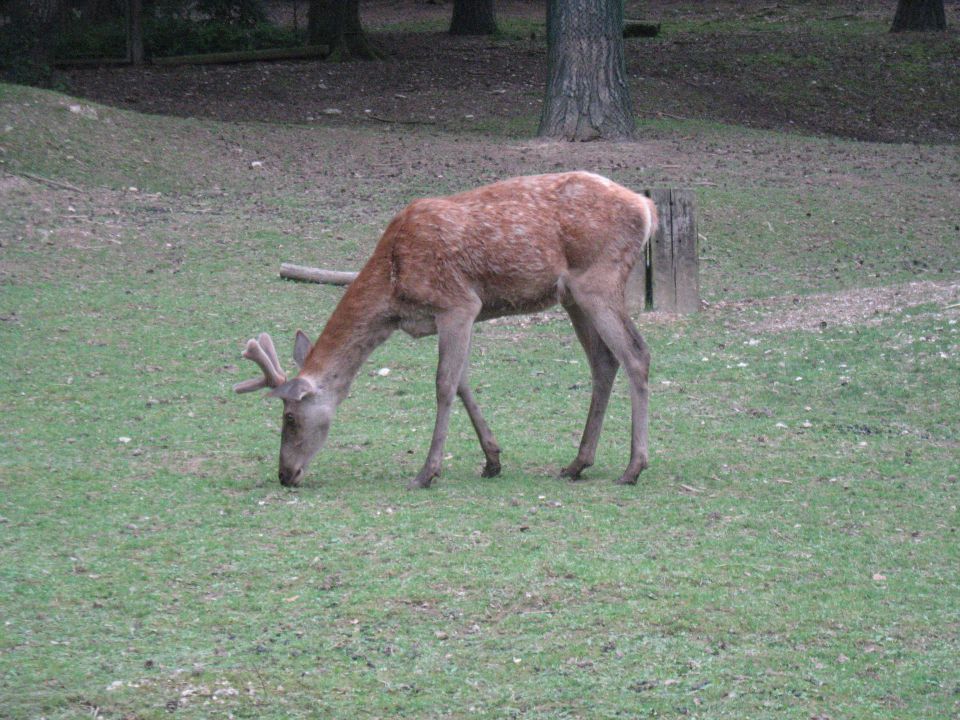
[289, 271]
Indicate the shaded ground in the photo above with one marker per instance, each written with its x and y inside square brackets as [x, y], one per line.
[822, 68]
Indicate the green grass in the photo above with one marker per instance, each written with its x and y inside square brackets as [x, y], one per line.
[790, 553]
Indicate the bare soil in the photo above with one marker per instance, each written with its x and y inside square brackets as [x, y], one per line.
[859, 306]
[817, 67]
[789, 313]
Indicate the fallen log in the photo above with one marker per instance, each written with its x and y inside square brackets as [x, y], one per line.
[304, 52]
[90, 62]
[303, 273]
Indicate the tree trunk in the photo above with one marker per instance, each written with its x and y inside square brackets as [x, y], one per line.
[919, 15]
[473, 17]
[337, 23]
[587, 96]
[41, 21]
[135, 32]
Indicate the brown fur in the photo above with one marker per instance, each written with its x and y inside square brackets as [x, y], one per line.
[516, 246]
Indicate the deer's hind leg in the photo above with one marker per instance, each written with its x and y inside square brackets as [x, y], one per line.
[610, 320]
[603, 370]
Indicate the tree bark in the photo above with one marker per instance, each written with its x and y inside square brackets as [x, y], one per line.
[135, 32]
[473, 17]
[919, 15]
[587, 97]
[39, 21]
[337, 23]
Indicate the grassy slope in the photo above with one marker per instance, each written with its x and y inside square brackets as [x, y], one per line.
[791, 553]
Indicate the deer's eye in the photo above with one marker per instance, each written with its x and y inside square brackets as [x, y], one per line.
[289, 419]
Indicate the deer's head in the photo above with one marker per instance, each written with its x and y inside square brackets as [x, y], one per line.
[307, 409]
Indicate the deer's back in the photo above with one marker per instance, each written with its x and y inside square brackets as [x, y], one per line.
[513, 242]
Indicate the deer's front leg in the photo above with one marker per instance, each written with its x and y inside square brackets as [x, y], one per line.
[454, 328]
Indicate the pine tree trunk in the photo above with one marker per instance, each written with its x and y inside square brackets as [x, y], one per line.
[473, 17]
[587, 96]
[919, 15]
[337, 23]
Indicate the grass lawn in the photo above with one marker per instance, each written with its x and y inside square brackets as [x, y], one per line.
[792, 552]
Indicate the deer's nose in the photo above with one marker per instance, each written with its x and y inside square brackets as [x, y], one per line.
[290, 478]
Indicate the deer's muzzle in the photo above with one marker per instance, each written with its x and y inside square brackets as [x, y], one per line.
[289, 477]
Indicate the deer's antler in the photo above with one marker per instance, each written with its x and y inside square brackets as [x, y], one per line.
[264, 354]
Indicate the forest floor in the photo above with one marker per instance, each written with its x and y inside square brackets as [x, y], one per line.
[813, 67]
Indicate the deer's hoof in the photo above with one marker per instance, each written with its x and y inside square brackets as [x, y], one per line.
[423, 480]
[572, 471]
[491, 470]
[630, 476]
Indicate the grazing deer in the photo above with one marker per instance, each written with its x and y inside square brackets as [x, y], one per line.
[516, 246]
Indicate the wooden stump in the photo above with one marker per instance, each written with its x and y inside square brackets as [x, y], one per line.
[669, 278]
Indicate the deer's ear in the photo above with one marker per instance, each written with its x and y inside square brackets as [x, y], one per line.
[296, 389]
[301, 346]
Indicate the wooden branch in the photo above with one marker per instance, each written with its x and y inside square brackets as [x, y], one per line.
[289, 271]
[400, 122]
[294, 53]
[304, 52]
[90, 62]
[53, 183]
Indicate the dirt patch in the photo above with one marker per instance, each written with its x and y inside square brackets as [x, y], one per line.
[852, 307]
[783, 313]
[825, 68]
[11, 183]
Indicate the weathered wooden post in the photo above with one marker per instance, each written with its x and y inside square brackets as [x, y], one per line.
[669, 280]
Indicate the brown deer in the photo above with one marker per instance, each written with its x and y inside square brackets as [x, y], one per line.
[517, 246]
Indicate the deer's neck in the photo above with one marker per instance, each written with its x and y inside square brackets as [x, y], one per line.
[360, 323]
